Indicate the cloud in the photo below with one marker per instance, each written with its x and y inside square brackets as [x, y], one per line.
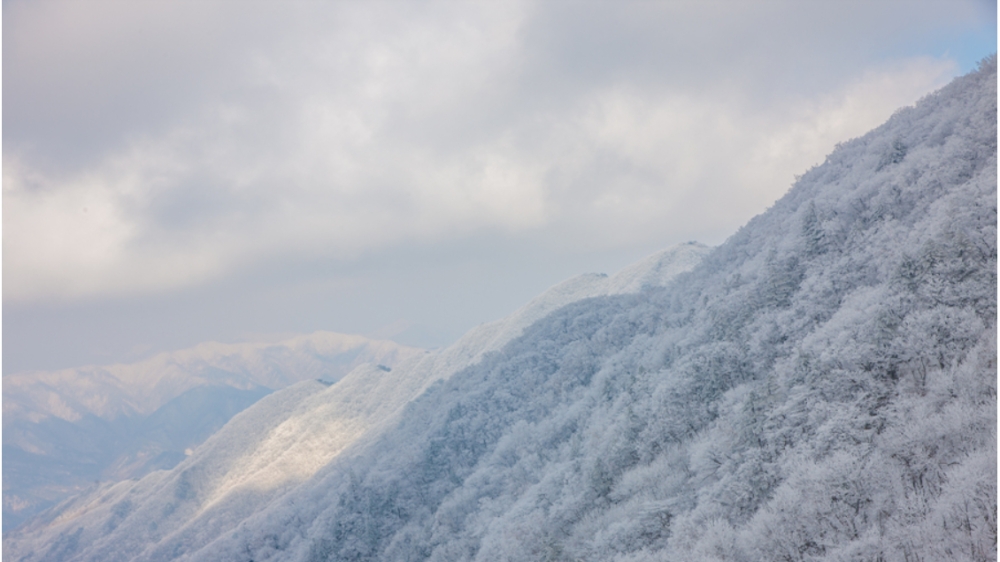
[327, 132]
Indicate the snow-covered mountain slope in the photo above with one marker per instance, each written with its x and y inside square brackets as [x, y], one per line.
[285, 438]
[65, 429]
[820, 387]
[656, 270]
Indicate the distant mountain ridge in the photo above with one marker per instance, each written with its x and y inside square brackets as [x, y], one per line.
[141, 388]
[64, 429]
[820, 387]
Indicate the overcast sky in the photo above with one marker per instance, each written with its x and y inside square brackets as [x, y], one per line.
[175, 172]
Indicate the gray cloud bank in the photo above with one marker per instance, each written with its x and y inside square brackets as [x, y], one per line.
[151, 148]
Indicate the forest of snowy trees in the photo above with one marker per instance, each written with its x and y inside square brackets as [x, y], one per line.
[821, 387]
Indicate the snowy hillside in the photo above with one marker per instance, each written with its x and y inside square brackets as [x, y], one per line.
[654, 271]
[285, 438]
[820, 387]
[65, 429]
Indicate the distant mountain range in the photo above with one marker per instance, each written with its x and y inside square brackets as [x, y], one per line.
[820, 387]
[64, 430]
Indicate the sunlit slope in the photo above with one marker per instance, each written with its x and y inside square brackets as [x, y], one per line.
[284, 439]
[65, 429]
[821, 387]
